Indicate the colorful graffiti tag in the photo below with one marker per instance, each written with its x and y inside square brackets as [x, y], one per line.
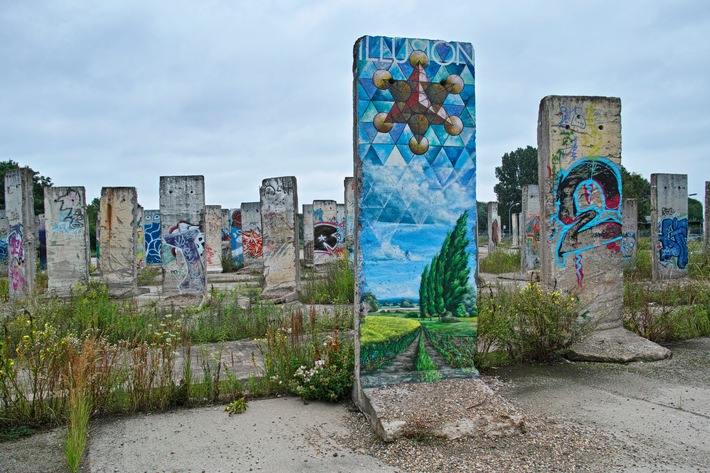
[588, 204]
[252, 243]
[189, 240]
[151, 235]
[16, 263]
[415, 171]
[673, 241]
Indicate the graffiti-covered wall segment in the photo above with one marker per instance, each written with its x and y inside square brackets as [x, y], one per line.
[21, 236]
[415, 209]
[279, 216]
[579, 158]
[67, 232]
[669, 218]
[183, 255]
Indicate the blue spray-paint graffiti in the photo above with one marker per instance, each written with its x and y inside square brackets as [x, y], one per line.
[588, 198]
[673, 241]
[151, 235]
[628, 244]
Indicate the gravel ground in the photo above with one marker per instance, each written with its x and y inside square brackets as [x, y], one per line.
[545, 444]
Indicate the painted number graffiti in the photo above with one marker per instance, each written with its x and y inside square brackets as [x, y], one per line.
[189, 240]
[673, 241]
[588, 198]
[15, 243]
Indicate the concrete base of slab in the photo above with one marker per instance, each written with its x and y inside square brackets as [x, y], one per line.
[617, 345]
[451, 409]
[280, 296]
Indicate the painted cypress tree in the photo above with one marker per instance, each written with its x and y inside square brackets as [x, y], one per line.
[456, 271]
[431, 286]
[444, 284]
[423, 295]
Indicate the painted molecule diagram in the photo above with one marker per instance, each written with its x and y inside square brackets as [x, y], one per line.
[418, 102]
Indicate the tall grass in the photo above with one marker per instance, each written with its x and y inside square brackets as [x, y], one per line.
[501, 261]
[334, 286]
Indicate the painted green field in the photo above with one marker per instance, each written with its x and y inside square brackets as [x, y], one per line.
[383, 338]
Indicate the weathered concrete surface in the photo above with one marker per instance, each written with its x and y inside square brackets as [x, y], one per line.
[226, 239]
[140, 238]
[182, 206]
[22, 234]
[279, 216]
[4, 228]
[252, 244]
[325, 231]
[669, 226]
[530, 229]
[419, 409]
[308, 234]
[67, 229]
[579, 159]
[494, 227]
[630, 212]
[213, 238]
[661, 410]
[117, 239]
[514, 230]
[616, 345]
[349, 197]
[706, 224]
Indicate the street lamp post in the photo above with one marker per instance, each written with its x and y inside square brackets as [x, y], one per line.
[510, 219]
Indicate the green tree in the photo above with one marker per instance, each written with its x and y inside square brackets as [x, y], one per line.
[444, 284]
[92, 211]
[482, 217]
[635, 186]
[38, 185]
[373, 305]
[695, 212]
[517, 168]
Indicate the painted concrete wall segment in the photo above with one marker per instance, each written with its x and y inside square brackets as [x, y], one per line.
[349, 197]
[140, 239]
[22, 233]
[669, 226]
[494, 227]
[308, 233]
[327, 246]
[4, 228]
[530, 250]
[706, 221]
[213, 238]
[279, 216]
[117, 222]
[226, 238]
[67, 230]
[182, 207]
[415, 194]
[252, 244]
[151, 235]
[629, 230]
[579, 143]
[235, 235]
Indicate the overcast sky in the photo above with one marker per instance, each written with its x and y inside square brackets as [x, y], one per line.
[120, 92]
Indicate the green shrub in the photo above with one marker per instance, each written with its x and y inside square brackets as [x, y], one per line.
[528, 324]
